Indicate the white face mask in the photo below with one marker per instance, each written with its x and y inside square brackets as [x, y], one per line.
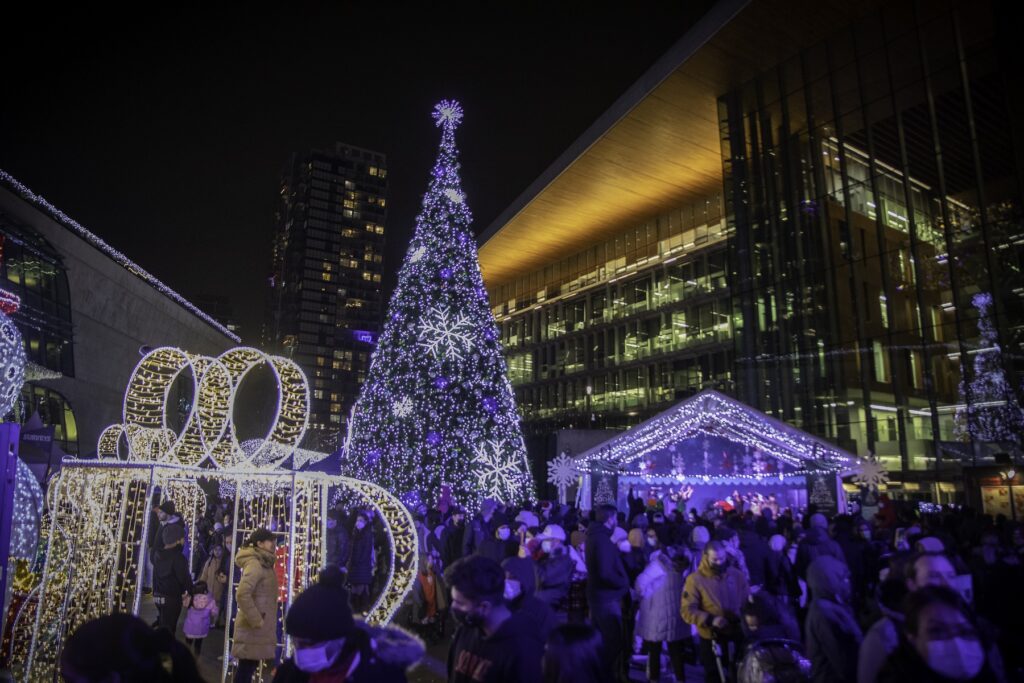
[503, 534]
[513, 589]
[319, 658]
[652, 542]
[958, 658]
[360, 524]
[547, 546]
[624, 546]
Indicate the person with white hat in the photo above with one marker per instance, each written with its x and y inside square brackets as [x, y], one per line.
[554, 571]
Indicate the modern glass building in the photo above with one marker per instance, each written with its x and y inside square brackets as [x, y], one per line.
[325, 304]
[815, 209]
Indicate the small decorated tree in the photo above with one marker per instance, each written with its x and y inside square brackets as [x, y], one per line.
[437, 407]
[991, 411]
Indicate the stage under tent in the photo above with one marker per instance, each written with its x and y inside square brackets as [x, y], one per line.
[709, 451]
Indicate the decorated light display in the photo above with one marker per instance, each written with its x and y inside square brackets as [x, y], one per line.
[562, 473]
[437, 407]
[711, 413]
[870, 473]
[12, 364]
[990, 411]
[28, 511]
[98, 510]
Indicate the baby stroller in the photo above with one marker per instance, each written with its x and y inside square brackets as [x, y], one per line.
[774, 660]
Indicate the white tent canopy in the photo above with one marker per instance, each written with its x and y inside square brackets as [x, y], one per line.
[711, 413]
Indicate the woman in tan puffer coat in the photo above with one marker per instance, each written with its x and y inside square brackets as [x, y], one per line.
[255, 635]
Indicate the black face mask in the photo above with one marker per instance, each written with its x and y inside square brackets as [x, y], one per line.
[467, 618]
[717, 569]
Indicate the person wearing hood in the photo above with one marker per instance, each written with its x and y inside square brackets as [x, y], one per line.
[712, 598]
[481, 528]
[942, 643]
[555, 568]
[607, 583]
[660, 588]
[492, 644]
[520, 594]
[429, 599]
[171, 578]
[831, 632]
[339, 543]
[699, 538]
[500, 545]
[330, 645]
[816, 544]
[255, 633]
[453, 537]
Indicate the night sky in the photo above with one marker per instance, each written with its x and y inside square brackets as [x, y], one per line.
[168, 140]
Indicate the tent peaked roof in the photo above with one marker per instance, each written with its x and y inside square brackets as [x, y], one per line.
[713, 413]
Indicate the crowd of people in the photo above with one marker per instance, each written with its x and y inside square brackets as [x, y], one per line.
[552, 593]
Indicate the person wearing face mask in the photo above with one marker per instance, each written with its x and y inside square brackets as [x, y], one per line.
[361, 563]
[500, 545]
[492, 644]
[520, 594]
[942, 643]
[832, 634]
[554, 571]
[330, 646]
[659, 589]
[712, 598]
[607, 583]
[339, 545]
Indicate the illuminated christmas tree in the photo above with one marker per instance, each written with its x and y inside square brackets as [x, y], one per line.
[437, 407]
[992, 412]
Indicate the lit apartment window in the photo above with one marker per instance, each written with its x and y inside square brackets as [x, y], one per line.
[367, 275]
[373, 171]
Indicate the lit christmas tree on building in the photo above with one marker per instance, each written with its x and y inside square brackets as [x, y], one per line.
[990, 412]
[437, 407]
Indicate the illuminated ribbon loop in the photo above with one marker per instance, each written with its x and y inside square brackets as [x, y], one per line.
[209, 431]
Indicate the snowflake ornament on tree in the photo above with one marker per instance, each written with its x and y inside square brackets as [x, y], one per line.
[454, 195]
[402, 407]
[562, 473]
[871, 473]
[496, 474]
[417, 254]
[444, 335]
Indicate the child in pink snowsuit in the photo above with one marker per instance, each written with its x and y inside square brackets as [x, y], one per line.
[202, 611]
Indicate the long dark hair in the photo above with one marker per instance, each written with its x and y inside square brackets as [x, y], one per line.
[573, 655]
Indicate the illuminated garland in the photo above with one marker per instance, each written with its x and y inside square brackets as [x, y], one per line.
[713, 414]
[437, 408]
[12, 364]
[93, 239]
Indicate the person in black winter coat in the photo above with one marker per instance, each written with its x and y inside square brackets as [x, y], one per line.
[607, 583]
[339, 545]
[815, 544]
[755, 553]
[779, 578]
[360, 563]
[832, 635]
[500, 545]
[493, 644]
[520, 589]
[331, 645]
[453, 537]
[171, 579]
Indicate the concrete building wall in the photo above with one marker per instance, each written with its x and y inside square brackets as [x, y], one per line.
[114, 313]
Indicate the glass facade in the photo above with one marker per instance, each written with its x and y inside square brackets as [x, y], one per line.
[871, 198]
[621, 330]
[32, 269]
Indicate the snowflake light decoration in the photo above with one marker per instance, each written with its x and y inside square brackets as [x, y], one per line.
[402, 407]
[448, 113]
[497, 475]
[454, 195]
[417, 254]
[562, 472]
[871, 473]
[445, 335]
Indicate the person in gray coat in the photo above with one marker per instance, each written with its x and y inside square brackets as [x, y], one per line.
[659, 588]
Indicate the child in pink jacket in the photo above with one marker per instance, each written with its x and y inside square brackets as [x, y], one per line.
[202, 612]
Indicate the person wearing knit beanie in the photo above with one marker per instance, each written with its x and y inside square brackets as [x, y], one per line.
[331, 645]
